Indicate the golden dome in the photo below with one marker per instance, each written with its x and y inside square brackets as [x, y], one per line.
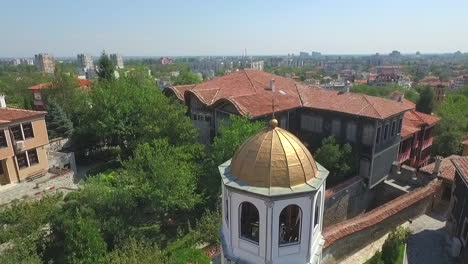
[273, 158]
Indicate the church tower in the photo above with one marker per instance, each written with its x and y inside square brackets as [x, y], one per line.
[273, 198]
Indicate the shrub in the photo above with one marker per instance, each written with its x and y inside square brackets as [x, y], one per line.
[390, 248]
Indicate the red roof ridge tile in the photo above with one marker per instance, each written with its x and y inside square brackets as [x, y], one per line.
[461, 165]
[250, 81]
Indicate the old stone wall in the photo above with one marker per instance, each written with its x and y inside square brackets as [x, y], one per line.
[345, 201]
[344, 239]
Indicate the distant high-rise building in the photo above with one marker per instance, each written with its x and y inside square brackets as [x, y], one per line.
[85, 61]
[44, 62]
[26, 61]
[316, 54]
[303, 54]
[165, 61]
[117, 59]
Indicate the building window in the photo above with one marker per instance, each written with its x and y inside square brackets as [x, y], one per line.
[336, 127]
[318, 202]
[351, 131]
[400, 123]
[464, 232]
[22, 160]
[249, 222]
[312, 123]
[367, 133]
[27, 130]
[16, 131]
[226, 208]
[3, 140]
[393, 128]
[385, 132]
[32, 157]
[290, 225]
[377, 138]
[283, 123]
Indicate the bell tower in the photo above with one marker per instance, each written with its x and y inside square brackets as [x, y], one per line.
[273, 198]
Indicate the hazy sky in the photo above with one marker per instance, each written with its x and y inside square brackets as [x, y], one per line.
[208, 27]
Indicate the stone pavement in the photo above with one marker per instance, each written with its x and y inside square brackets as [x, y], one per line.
[50, 183]
[426, 243]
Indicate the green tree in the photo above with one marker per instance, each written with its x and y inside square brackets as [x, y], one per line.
[336, 158]
[453, 124]
[166, 175]
[187, 78]
[65, 92]
[105, 67]
[412, 95]
[129, 111]
[425, 103]
[391, 246]
[83, 242]
[58, 123]
[208, 226]
[232, 133]
[23, 231]
[136, 252]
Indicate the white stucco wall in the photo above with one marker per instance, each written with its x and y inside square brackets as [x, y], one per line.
[269, 208]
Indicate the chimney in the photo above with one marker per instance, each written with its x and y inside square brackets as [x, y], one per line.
[2, 101]
[272, 85]
[438, 161]
[347, 86]
[401, 97]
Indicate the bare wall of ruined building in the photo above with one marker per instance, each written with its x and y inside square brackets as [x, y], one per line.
[354, 198]
[349, 244]
[346, 202]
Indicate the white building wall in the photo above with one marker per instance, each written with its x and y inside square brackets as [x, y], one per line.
[268, 250]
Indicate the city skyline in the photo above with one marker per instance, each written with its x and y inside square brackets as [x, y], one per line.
[212, 28]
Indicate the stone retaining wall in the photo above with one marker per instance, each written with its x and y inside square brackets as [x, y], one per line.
[345, 238]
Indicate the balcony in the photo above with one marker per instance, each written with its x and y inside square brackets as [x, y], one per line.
[427, 142]
[423, 161]
[404, 156]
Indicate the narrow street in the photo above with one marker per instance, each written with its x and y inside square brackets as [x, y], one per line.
[426, 243]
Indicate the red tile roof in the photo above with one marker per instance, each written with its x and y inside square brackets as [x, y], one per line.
[40, 86]
[447, 169]
[413, 121]
[361, 81]
[248, 91]
[80, 82]
[351, 103]
[462, 166]
[9, 114]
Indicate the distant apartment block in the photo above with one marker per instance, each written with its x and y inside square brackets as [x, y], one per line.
[255, 65]
[23, 136]
[26, 61]
[85, 61]
[165, 61]
[44, 62]
[117, 59]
